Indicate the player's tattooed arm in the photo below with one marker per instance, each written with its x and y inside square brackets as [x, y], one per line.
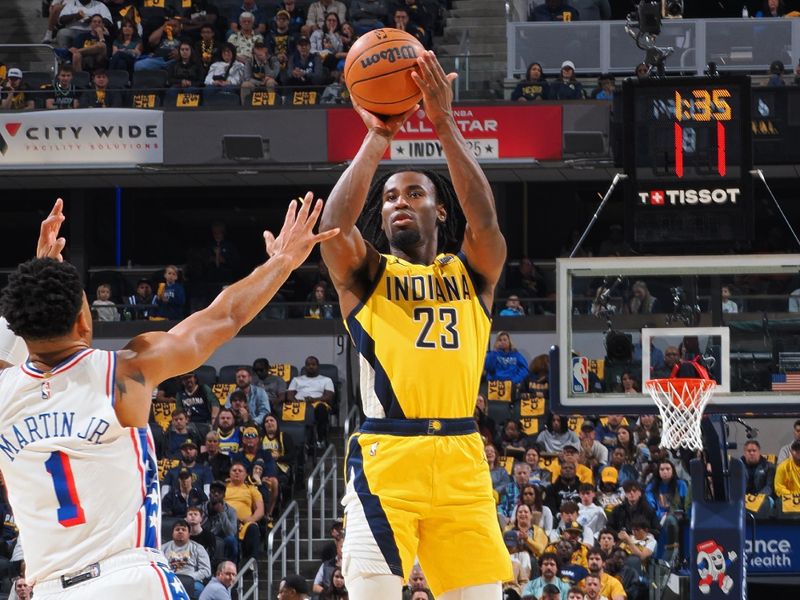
[121, 382]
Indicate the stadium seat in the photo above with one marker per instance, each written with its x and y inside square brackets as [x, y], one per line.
[145, 100]
[81, 80]
[499, 412]
[305, 97]
[206, 374]
[263, 99]
[149, 80]
[285, 371]
[222, 99]
[222, 390]
[297, 421]
[227, 374]
[37, 80]
[183, 100]
[118, 79]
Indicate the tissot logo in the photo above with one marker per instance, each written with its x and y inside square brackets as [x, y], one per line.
[11, 129]
[690, 196]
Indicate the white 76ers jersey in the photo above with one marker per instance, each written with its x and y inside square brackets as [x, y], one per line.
[81, 486]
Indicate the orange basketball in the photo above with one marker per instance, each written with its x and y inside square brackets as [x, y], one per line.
[378, 71]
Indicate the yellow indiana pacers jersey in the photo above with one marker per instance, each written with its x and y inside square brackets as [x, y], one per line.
[422, 335]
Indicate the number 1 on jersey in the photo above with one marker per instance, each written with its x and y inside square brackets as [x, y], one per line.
[70, 511]
[448, 316]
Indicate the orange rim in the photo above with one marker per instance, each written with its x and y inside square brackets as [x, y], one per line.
[683, 391]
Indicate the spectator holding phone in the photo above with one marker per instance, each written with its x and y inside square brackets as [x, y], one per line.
[226, 75]
[14, 96]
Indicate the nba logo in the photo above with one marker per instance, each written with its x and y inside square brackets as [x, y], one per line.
[580, 374]
[46, 390]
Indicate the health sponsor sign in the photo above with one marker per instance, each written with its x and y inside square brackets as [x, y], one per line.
[775, 549]
[491, 132]
[92, 137]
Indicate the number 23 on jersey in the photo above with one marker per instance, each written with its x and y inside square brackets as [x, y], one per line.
[427, 316]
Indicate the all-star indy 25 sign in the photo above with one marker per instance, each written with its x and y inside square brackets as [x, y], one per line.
[491, 133]
[103, 137]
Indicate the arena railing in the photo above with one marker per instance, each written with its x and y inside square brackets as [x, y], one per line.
[29, 57]
[238, 582]
[461, 63]
[741, 45]
[352, 422]
[323, 479]
[289, 535]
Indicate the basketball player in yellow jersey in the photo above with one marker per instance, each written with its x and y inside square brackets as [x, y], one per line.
[417, 481]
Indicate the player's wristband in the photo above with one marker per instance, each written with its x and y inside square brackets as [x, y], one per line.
[13, 349]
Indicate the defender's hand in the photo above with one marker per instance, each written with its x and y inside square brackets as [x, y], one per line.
[49, 244]
[297, 237]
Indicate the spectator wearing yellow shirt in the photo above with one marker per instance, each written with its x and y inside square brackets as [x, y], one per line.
[787, 475]
[571, 454]
[610, 587]
[246, 500]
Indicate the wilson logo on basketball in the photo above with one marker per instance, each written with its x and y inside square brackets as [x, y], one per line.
[390, 54]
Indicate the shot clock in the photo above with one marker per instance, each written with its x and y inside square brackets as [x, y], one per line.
[687, 152]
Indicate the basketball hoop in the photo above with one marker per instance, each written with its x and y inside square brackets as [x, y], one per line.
[681, 402]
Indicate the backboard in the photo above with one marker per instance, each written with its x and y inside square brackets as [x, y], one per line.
[624, 320]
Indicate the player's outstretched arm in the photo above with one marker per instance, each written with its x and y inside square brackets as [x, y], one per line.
[346, 254]
[484, 245]
[153, 357]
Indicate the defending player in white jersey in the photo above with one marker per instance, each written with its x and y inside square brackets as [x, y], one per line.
[75, 447]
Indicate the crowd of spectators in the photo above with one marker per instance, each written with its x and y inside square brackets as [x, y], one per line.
[175, 291]
[204, 52]
[604, 500]
[228, 466]
[210, 48]
[528, 289]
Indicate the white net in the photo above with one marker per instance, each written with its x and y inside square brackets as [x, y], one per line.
[681, 403]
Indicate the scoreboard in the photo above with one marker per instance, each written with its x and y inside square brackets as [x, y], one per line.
[687, 151]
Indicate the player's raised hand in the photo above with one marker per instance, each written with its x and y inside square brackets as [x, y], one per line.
[436, 87]
[297, 238]
[49, 244]
[387, 128]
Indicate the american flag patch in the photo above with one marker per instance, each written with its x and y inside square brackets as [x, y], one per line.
[786, 382]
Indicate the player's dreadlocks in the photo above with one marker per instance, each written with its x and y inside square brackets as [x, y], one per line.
[449, 232]
[42, 299]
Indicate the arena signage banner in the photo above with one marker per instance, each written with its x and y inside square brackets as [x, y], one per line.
[83, 138]
[492, 132]
[775, 549]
